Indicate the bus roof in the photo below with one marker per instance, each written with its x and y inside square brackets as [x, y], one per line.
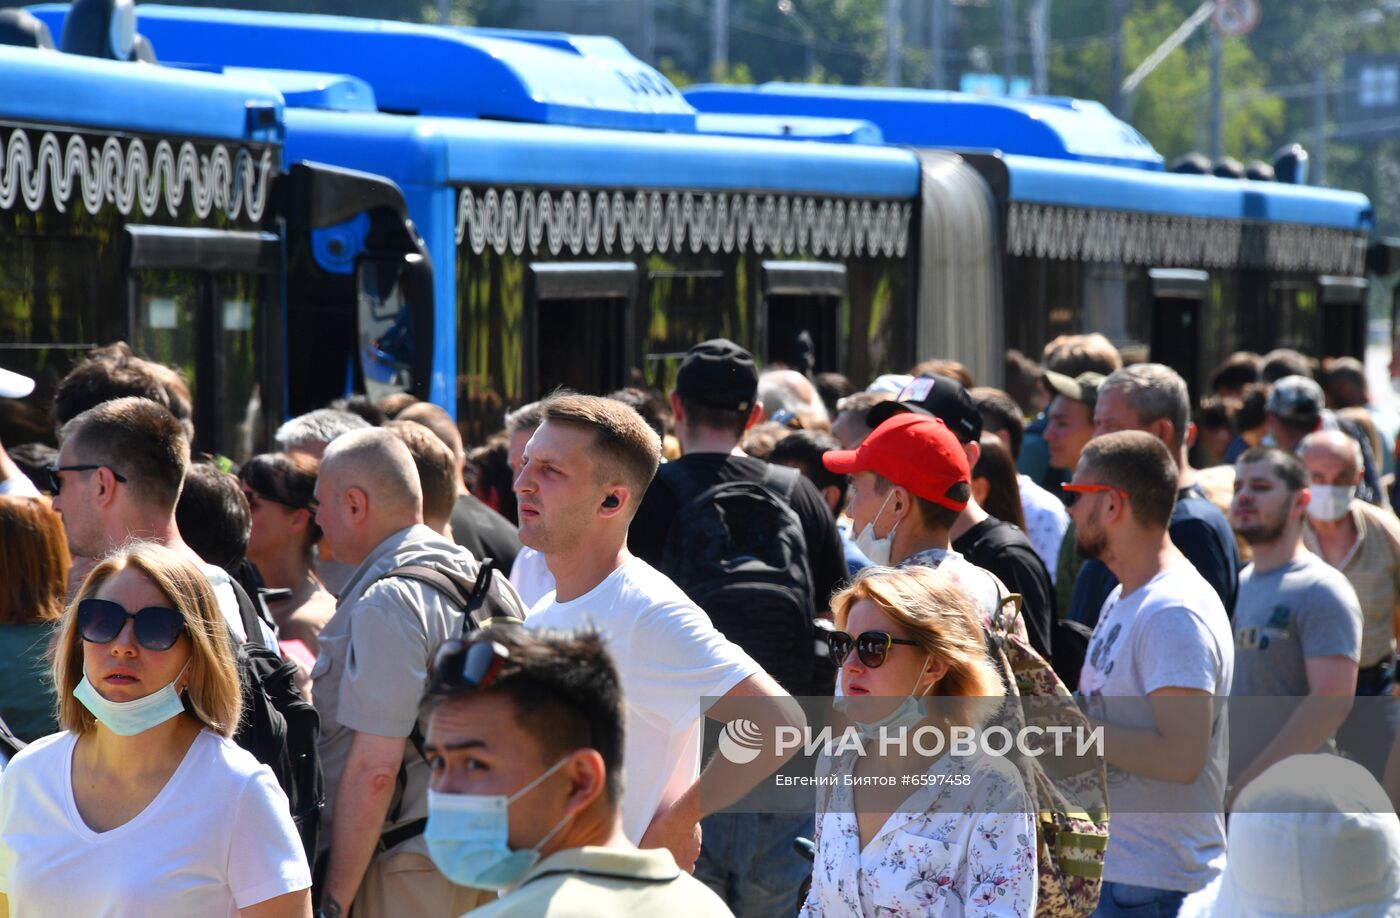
[69, 89]
[1045, 181]
[422, 69]
[423, 152]
[1054, 128]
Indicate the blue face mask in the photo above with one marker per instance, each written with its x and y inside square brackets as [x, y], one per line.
[128, 718]
[908, 714]
[468, 837]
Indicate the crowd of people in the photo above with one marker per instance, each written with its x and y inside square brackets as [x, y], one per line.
[378, 671]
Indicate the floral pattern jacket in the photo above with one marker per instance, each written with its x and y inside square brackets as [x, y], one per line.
[962, 845]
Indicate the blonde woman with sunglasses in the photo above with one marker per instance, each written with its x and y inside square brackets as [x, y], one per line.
[939, 835]
[143, 806]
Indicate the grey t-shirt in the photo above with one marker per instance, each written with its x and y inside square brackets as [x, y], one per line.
[1172, 632]
[1306, 608]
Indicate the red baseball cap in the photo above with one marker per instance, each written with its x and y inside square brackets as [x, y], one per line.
[912, 450]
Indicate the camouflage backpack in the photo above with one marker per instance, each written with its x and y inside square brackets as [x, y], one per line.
[1070, 795]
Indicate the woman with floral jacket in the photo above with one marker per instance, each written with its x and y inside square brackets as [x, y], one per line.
[946, 834]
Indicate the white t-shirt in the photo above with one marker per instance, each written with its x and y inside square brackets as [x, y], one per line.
[669, 657]
[218, 837]
[531, 577]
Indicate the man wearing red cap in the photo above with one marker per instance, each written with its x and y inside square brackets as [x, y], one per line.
[909, 482]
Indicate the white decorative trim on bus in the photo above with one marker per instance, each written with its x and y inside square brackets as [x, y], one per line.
[234, 182]
[1126, 237]
[520, 220]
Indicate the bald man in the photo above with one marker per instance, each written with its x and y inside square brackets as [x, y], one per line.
[475, 526]
[789, 398]
[370, 677]
[1363, 542]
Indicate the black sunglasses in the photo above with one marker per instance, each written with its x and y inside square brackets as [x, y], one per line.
[872, 647]
[156, 627]
[56, 483]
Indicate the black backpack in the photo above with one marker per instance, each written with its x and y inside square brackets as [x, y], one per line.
[738, 550]
[279, 726]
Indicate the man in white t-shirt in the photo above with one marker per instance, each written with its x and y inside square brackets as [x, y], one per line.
[119, 474]
[584, 473]
[1159, 655]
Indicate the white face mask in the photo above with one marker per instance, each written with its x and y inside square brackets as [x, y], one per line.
[1330, 502]
[877, 550]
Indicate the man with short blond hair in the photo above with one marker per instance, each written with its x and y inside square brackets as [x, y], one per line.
[584, 473]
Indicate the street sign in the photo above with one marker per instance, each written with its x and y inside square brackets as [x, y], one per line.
[1233, 18]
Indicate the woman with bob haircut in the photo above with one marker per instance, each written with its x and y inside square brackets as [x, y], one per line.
[948, 834]
[143, 805]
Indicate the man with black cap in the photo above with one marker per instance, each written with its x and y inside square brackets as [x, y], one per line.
[792, 562]
[989, 543]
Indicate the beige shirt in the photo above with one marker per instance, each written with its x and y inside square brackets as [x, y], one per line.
[1373, 568]
[372, 671]
[617, 882]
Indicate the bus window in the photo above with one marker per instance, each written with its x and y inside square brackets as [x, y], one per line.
[805, 297]
[1343, 316]
[1178, 297]
[579, 316]
[200, 298]
[1293, 310]
[685, 308]
[48, 321]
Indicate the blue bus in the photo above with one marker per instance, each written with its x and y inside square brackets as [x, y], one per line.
[588, 222]
[157, 206]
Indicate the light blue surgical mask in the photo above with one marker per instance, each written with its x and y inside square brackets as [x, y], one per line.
[907, 715]
[468, 837]
[128, 718]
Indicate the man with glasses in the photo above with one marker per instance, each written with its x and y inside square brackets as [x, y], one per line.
[1159, 654]
[1153, 398]
[118, 477]
[526, 744]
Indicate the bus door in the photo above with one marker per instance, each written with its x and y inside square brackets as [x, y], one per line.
[205, 301]
[579, 318]
[804, 314]
[1344, 316]
[359, 315]
[1178, 299]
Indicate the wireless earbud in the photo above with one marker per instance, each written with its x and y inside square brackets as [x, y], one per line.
[611, 502]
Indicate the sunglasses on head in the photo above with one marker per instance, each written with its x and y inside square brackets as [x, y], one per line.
[56, 483]
[155, 627]
[461, 666]
[871, 647]
[253, 497]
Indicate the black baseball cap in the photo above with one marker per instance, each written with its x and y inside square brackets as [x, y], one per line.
[938, 397]
[719, 374]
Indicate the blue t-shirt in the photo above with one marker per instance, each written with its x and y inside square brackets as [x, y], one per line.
[1200, 532]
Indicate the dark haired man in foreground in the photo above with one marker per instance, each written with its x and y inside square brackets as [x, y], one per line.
[527, 739]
